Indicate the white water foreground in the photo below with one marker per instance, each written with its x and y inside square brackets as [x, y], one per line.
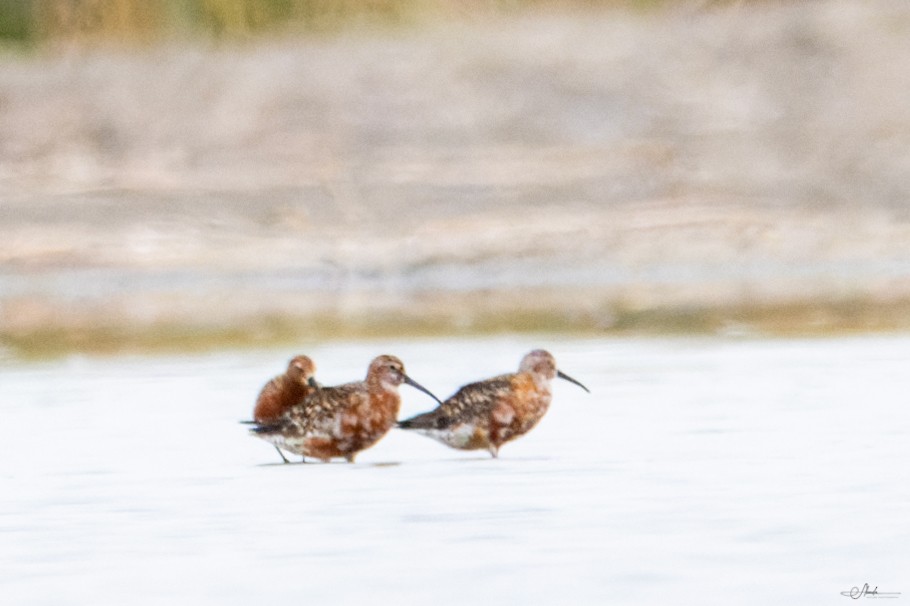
[709, 471]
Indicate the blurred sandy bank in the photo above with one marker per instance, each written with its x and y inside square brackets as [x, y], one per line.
[734, 168]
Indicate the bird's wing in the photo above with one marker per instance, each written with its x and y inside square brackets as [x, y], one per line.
[323, 405]
[471, 402]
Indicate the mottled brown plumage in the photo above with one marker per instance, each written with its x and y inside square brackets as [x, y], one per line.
[343, 420]
[489, 413]
[285, 391]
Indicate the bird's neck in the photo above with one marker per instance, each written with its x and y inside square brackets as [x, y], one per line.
[541, 381]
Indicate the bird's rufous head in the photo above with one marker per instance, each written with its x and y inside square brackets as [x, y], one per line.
[389, 371]
[541, 363]
[302, 369]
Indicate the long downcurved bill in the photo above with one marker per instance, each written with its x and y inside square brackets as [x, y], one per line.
[563, 375]
[417, 385]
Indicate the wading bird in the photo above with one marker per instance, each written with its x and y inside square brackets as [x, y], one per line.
[489, 413]
[343, 420]
[285, 391]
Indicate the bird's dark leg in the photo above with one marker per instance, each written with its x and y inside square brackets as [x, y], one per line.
[281, 454]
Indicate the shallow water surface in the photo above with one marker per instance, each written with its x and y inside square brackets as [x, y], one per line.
[708, 471]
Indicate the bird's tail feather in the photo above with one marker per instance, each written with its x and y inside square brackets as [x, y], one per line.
[425, 421]
[266, 428]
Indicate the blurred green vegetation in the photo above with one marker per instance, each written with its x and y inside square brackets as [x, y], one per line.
[794, 319]
[32, 22]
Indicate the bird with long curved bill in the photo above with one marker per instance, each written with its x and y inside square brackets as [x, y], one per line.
[489, 413]
[343, 420]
